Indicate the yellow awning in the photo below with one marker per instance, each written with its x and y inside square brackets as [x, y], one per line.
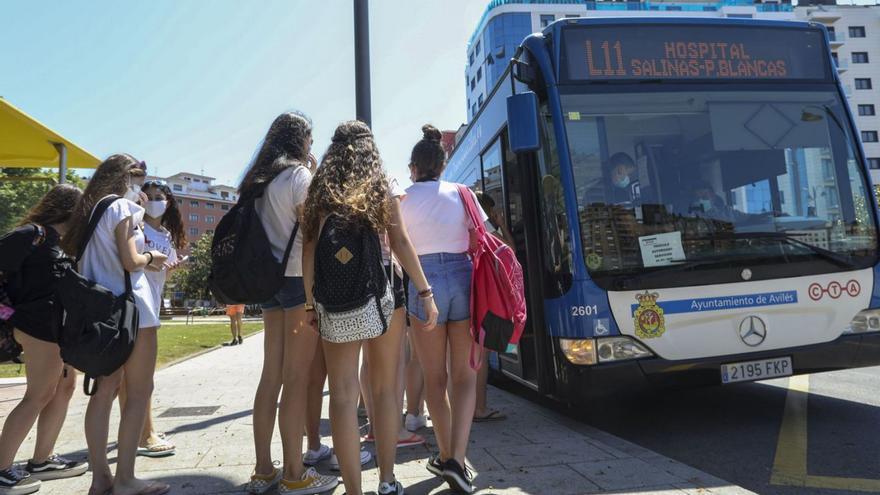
[26, 143]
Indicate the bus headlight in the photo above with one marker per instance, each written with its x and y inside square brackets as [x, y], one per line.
[865, 321]
[603, 350]
[579, 351]
[620, 349]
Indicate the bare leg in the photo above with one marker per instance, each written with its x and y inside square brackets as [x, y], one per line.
[342, 371]
[317, 379]
[464, 381]
[52, 417]
[384, 354]
[266, 398]
[415, 384]
[365, 391]
[481, 408]
[138, 378]
[43, 367]
[300, 344]
[97, 426]
[431, 349]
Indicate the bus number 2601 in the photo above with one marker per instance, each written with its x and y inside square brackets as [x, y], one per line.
[584, 310]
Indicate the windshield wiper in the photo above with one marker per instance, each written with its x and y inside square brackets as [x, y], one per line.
[789, 238]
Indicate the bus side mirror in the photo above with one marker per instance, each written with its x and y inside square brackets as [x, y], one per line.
[522, 122]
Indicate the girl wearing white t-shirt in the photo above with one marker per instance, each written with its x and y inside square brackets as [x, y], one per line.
[163, 232]
[279, 179]
[117, 247]
[440, 231]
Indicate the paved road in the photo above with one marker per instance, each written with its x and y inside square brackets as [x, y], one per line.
[805, 435]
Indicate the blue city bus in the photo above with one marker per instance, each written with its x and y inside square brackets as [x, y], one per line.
[688, 201]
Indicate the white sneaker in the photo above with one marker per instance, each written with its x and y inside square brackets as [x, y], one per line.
[312, 457]
[366, 457]
[415, 423]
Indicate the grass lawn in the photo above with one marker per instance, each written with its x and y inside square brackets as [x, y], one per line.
[175, 342]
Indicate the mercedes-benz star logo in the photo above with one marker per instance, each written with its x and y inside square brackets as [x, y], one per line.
[752, 331]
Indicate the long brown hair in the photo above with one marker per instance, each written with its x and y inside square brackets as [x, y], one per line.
[55, 207]
[111, 177]
[350, 182]
[286, 143]
[171, 219]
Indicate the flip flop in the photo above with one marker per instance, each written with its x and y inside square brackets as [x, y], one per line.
[410, 441]
[158, 449]
[155, 489]
[493, 415]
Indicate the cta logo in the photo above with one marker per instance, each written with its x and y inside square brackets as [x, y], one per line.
[834, 290]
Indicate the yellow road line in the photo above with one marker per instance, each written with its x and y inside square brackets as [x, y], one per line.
[790, 464]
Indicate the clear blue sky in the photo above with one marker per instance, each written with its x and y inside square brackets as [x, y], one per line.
[192, 85]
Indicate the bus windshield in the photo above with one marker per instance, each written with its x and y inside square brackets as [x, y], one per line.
[684, 188]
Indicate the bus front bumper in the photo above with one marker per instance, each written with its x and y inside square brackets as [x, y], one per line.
[848, 351]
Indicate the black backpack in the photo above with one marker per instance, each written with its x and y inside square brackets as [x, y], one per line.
[99, 328]
[353, 295]
[243, 268]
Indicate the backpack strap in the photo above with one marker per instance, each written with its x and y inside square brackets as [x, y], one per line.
[470, 207]
[289, 247]
[97, 214]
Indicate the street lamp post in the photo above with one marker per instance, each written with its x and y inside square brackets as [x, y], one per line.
[362, 61]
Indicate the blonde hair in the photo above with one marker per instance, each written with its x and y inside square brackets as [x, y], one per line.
[350, 182]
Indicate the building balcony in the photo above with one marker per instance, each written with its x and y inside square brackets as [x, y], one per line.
[836, 39]
[823, 16]
[842, 65]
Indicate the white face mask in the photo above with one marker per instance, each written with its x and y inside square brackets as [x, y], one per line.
[133, 193]
[155, 209]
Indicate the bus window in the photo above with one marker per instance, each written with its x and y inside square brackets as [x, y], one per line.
[557, 242]
[740, 177]
[492, 183]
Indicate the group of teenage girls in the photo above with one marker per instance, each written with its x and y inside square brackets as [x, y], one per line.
[425, 236]
[141, 234]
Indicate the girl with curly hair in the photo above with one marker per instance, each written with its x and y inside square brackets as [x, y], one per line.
[352, 186]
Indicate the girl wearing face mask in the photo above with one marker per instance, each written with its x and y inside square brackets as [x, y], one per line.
[117, 247]
[163, 232]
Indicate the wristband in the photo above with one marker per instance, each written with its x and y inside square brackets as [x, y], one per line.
[309, 307]
[426, 293]
[151, 257]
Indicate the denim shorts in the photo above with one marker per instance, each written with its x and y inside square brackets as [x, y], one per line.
[449, 275]
[291, 295]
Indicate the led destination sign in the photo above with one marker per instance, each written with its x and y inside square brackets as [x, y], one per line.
[693, 52]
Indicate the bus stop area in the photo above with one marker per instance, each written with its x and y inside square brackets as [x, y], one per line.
[204, 406]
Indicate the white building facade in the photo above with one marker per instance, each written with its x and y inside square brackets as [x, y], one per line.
[855, 34]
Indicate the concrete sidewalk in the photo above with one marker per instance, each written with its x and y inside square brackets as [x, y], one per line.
[204, 405]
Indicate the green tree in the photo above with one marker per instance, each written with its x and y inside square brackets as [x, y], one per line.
[192, 278]
[21, 189]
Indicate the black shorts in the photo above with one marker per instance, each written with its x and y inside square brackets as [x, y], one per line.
[399, 286]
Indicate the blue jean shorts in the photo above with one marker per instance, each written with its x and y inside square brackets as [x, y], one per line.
[291, 295]
[449, 275]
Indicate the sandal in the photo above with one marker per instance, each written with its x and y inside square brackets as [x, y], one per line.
[410, 441]
[162, 448]
[493, 415]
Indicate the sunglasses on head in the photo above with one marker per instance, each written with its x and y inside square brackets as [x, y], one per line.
[161, 184]
[141, 165]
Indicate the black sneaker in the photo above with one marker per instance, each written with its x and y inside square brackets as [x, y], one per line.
[56, 468]
[390, 488]
[459, 478]
[14, 481]
[435, 465]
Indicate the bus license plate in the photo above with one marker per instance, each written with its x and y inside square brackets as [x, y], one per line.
[756, 370]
